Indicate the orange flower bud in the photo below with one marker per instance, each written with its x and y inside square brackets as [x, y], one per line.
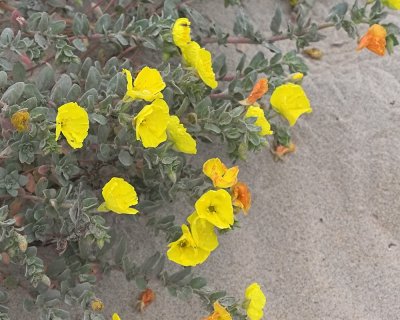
[374, 40]
[145, 298]
[241, 196]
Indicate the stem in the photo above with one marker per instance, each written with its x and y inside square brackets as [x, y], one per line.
[280, 37]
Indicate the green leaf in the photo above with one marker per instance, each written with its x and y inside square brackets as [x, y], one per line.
[93, 79]
[198, 283]
[180, 275]
[45, 78]
[78, 43]
[13, 93]
[276, 21]
[125, 158]
[99, 118]
[19, 72]
[212, 127]
[141, 283]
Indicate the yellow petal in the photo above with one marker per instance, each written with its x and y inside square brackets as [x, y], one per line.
[216, 208]
[203, 232]
[392, 4]
[181, 32]
[219, 174]
[147, 85]
[256, 301]
[184, 250]
[73, 122]
[151, 123]
[262, 122]
[119, 196]
[182, 140]
[115, 317]
[204, 68]
[290, 101]
[190, 53]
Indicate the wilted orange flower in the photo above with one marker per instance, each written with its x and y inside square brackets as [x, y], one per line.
[241, 196]
[259, 89]
[219, 313]
[145, 298]
[374, 40]
[281, 150]
[20, 120]
[314, 53]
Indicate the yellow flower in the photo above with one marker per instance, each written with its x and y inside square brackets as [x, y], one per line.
[297, 76]
[119, 196]
[219, 313]
[256, 302]
[392, 4]
[115, 316]
[147, 85]
[216, 208]
[200, 59]
[219, 174]
[182, 140]
[151, 123]
[20, 120]
[181, 32]
[185, 251]
[262, 122]
[290, 101]
[203, 232]
[241, 196]
[73, 122]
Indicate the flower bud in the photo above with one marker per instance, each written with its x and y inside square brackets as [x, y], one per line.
[22, 243]
[20, 120]
[46, 280]
[97, 305]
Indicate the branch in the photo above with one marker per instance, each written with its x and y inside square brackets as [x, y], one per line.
[280, 37]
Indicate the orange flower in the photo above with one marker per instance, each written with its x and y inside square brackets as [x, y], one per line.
[145, 298]
[281, 150]
[219, 313]
[259, 89]
[241, 196]
[374, 40]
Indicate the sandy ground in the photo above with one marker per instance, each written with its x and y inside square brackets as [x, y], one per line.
[323, 236]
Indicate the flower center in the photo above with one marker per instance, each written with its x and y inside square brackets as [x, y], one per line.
[211, 209]
[183, 243]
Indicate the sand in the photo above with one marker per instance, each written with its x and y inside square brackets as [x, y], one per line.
[323, 235]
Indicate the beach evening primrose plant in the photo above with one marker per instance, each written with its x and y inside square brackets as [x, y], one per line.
[73, 122]
[136, 99]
